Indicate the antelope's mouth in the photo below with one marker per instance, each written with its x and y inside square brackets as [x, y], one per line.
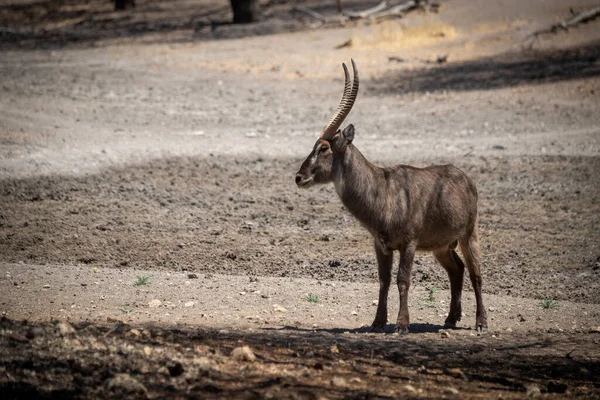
[304, 182]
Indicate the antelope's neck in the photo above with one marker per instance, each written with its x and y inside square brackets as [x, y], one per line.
[360, 187]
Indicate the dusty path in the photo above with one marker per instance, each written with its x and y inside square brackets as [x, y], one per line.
[156, 155]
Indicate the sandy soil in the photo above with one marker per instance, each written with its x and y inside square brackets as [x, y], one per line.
[162, 143]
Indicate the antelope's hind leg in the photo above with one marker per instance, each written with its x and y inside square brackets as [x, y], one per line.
[384, 261]
[470, 249]
[456, 269]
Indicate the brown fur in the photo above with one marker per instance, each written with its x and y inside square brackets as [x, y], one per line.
[405, 209]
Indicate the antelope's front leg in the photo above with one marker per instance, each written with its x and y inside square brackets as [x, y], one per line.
[384, 261]
[406, 259]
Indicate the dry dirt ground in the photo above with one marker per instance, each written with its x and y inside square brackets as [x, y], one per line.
[158, 146]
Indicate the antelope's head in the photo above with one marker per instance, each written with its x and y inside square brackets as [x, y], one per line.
[318, 165]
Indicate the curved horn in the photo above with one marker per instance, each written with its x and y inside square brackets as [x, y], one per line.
[345, 104]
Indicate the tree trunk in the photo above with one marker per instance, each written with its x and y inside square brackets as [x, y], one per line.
[245, 11]
[124, 4]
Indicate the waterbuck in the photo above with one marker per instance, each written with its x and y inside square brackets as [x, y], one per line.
[404, 208]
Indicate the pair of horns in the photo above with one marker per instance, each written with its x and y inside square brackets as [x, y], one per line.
[350, 92]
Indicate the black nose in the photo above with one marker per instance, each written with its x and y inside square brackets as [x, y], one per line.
[298, 179]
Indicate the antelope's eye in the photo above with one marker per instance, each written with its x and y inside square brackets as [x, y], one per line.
[323, 149]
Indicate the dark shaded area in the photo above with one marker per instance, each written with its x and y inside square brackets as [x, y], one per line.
[287, 364]
[59, 23]
[137, 216]
[245, 11]
[124, 4]
[496, 72]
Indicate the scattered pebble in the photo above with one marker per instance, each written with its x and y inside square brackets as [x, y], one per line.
[445, 334]
[154, 303]
[17, 337]
[189, 304]
[532, 390]
[451, 390]
[46, 286]
[457, 373]
[192, 276]
[338, 381]
[278, 308]
[125, 384]
[409, 388]
[243, 353]
[65, 329]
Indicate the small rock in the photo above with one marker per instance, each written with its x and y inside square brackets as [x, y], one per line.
[147, 350]
[409, 388]
[532, 390]
[65, 329]
[83, 284]
[135, 332]
[335, 349]
[204, 364]
[17, 337]
[192, 276]
[356, 380]
[154, 303]
[338, 381]
[46, 286]
[243, 353]
[354, 312]
[451, 390]
[163, 371]
[492, 309]
[457, 373]
[125, 384]
[189, 304]
[595, 329]
[278, 308]
[444, 334]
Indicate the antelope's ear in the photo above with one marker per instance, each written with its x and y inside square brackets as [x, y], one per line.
[348, 133]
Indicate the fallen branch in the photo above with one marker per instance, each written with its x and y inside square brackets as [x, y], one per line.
[580, 18]
[321, 18]
[384, 9]
[398, 10]
[368, 12]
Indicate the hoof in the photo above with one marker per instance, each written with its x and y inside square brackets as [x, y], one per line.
[449, 325]
[401, 331]
[481, 329]
[377, 329]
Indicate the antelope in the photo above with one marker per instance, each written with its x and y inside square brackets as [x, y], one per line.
[404, 208]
